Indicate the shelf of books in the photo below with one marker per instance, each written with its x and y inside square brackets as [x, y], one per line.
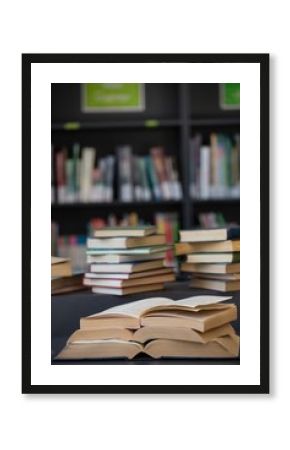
[174, 164]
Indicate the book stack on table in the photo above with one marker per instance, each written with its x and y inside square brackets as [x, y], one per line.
[63, 280]
[194, 327]
[127, 260]
[212, 257]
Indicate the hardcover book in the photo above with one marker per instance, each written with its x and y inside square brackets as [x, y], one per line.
[216, 234]
[213, 258]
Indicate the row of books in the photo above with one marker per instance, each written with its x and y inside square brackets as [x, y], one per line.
[215, 168]
[81, 175]
[74, 246]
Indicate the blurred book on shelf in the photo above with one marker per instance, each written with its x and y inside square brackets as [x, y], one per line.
[82, 176]
[215, 167]
[72, 247]
[212, 219]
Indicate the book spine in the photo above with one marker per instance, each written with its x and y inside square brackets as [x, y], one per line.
[109, 194]
[138, 191]
[60, 176]
[157, 154]
[153, 178]
[144, 179]
[125, 174]
[87, 167]
[205, 172]
[75, 171]
[70, 181]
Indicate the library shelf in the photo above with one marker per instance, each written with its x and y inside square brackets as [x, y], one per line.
[173, 114]
[117, 204]
[215, 200]
[111, 124]
[215, 121]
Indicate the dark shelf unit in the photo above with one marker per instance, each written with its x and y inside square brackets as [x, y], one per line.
[117, 204]
[171, 118]
[91, 126]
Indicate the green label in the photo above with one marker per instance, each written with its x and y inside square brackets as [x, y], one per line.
[230, 95]
[151, 123]
[112, 97]
[71, 126]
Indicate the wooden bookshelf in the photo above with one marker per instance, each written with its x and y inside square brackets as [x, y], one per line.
[173, 114]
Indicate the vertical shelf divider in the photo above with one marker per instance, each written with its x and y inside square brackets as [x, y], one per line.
[184, 111]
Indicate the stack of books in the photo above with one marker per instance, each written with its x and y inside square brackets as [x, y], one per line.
[127, 260]
[195, 327]
[63, 279]
[212, 257]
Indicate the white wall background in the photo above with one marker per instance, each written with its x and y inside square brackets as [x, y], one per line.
[152, 421]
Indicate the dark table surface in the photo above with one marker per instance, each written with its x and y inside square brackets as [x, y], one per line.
[66, 311]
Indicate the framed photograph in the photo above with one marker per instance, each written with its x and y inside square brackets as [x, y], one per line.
[133, 215]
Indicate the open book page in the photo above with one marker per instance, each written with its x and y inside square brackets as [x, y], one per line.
[57, 260]
[195, 304]
[201, 300]
[105, 342]
[134, 309]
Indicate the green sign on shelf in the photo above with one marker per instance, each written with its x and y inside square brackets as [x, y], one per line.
[230, 95]
[113, 97]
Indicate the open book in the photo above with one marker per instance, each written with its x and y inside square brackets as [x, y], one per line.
[223, 347]
[200, 313]
[159, 327]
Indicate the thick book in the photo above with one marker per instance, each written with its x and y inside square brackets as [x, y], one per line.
[130, 251]
[220, 276]
[127, 267]
[128, 276]
[108, 232]
[145, 334]
[112, 258]
[184, 248]
[223, 347]
[201, 313]
[72, 283]
[126, 242]
[115, 283]
[216, 285]
[213, 258]
[127, 290]
[60, 267]
[214, 234]
[211, 268]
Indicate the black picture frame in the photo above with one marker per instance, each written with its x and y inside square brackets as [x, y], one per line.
[27, 61]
